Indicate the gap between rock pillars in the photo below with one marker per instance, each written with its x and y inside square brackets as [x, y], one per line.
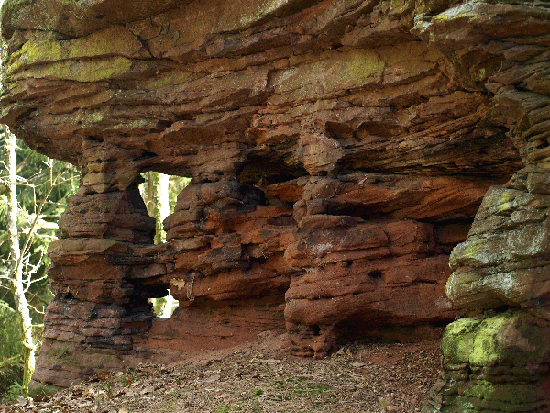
[159, 192]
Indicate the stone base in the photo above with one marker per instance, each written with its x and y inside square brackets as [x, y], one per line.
[496, 364]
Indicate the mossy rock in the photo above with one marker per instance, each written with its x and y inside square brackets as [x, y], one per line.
[489, 364]
[42, 391]
[510, 338]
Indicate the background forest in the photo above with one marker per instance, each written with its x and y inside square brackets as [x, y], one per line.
[42, 187]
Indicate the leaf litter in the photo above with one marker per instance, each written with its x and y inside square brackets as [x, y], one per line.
[366, 376]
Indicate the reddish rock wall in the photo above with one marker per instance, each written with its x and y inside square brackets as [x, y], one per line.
[338, 151]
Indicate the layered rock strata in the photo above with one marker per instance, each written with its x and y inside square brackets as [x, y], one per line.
[97, 308]
[497, 358]
[338, 151]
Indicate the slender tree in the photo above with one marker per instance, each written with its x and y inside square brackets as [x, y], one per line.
[33, 204]
[15, 278]
[160, 202]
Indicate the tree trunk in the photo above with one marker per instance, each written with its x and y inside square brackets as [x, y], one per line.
[161, 203]
[16, 263]
[158, 206]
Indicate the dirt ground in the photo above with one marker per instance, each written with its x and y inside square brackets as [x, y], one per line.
[367, 376]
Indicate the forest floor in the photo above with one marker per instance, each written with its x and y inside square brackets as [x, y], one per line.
[366, 377]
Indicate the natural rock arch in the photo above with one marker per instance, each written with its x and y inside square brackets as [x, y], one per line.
[338, 151]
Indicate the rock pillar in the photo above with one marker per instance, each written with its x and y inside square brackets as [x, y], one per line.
[497, 358]
[359, 267]
[97, 307]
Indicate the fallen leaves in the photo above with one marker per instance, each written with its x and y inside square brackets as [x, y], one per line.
[362, 377]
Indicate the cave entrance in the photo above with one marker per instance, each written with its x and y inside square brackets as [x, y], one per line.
[160, 192]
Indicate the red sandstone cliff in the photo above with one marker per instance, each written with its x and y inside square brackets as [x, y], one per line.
[338, 151]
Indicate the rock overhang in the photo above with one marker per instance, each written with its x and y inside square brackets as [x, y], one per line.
[293, 82]
[339, 151]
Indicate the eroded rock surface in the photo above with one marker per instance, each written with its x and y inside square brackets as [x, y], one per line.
[497, 358]
[339, 150]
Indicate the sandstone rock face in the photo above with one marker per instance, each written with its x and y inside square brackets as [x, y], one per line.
[339, 150]
[497, 358]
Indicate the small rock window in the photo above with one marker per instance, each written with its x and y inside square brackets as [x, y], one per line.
[160, 192]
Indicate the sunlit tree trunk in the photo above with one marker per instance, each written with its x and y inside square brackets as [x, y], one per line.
[158, 205]
[161, 203]
[16, 280]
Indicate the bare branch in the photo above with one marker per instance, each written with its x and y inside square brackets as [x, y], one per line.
[35, 177]
[30, 269]
[39, 279]
[43, 311]
[11, 283]
[32, 230]
[23, 164]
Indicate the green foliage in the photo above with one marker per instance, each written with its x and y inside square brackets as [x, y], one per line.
[10, 345]
[158, 305]
[33, 183]
[12, 393]
[42, 188]
[11, 377]
[177, 184]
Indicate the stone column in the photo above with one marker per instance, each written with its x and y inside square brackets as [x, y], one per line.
[97, 307]
[496, 359]
[362, 263]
